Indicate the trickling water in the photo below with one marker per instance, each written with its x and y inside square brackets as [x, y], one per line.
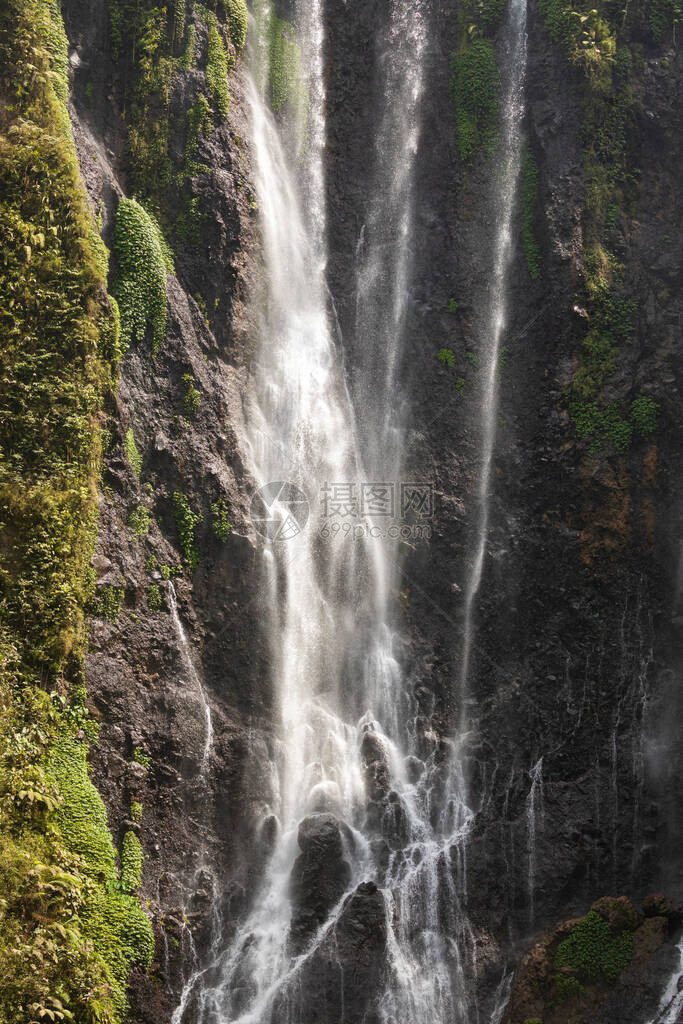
[330, 596]
[670, 1009]
[502, 209]
[534, 816]
[188, 658]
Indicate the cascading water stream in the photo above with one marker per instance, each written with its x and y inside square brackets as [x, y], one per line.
[502, 210]
[331, 597]
[188, 658]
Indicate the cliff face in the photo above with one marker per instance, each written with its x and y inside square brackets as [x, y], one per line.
[573, 700]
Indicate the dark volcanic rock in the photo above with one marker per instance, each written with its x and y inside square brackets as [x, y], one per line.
[320, 875]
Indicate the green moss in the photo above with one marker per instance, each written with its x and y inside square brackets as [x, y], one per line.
[179, 15]
[192, 398]
[136, 811]
[476, 88]
[644, 415]
[190, 55]
[187, 521]
[217, 68]
[140, 521]
[446, 356]
[236, 13]
[131, 863]
[285, 63]
[198, 123]
[154, 601]
[140, 281]
[141, 757]
[528, 195]
[132, 453]
[220, 525]
[593, 952]
[110, 603]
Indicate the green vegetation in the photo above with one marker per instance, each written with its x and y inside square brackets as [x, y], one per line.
[109, 603]
[219, 520]
[140, 281]
[644, 415]
[473, 359]
[453, 306]
[193, 398]
[529, 191]
[187, 521]
[533, 1020]
[236, 13]
[179, 15]
[68, 935]
[189, 56]
[459, 384]
[285, 61]
[154, 601]
[136, 811]
[132, 453]
[131, 863]
[593, 953]
[141, 757]
[476, 87]
[446, 356]
[217, 68]
[140, 521]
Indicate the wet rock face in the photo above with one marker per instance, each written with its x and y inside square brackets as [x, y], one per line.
[320, 875]
[343, 979]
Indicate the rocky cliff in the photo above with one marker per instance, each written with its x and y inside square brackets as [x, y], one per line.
[573, 702]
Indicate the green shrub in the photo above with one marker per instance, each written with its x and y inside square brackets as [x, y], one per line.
[132, 452]
[446, 356]
[644, 415]
[154, 601]
[453, 306]
[476, 88]
[136, 811]
[187, 521]
[219, 522]
[140, 280]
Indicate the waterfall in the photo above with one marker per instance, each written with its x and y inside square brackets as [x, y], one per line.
[352, 750]
[502, 209]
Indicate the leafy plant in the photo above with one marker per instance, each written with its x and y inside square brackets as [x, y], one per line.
[141, 757]
[154, 601]
[193, 397]
[217, 68]
[140, 280]
[132, 452]
[593, 952]
[220, 525]
[140, 521]
[644, 415]
[187, 521]
[446, 356]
